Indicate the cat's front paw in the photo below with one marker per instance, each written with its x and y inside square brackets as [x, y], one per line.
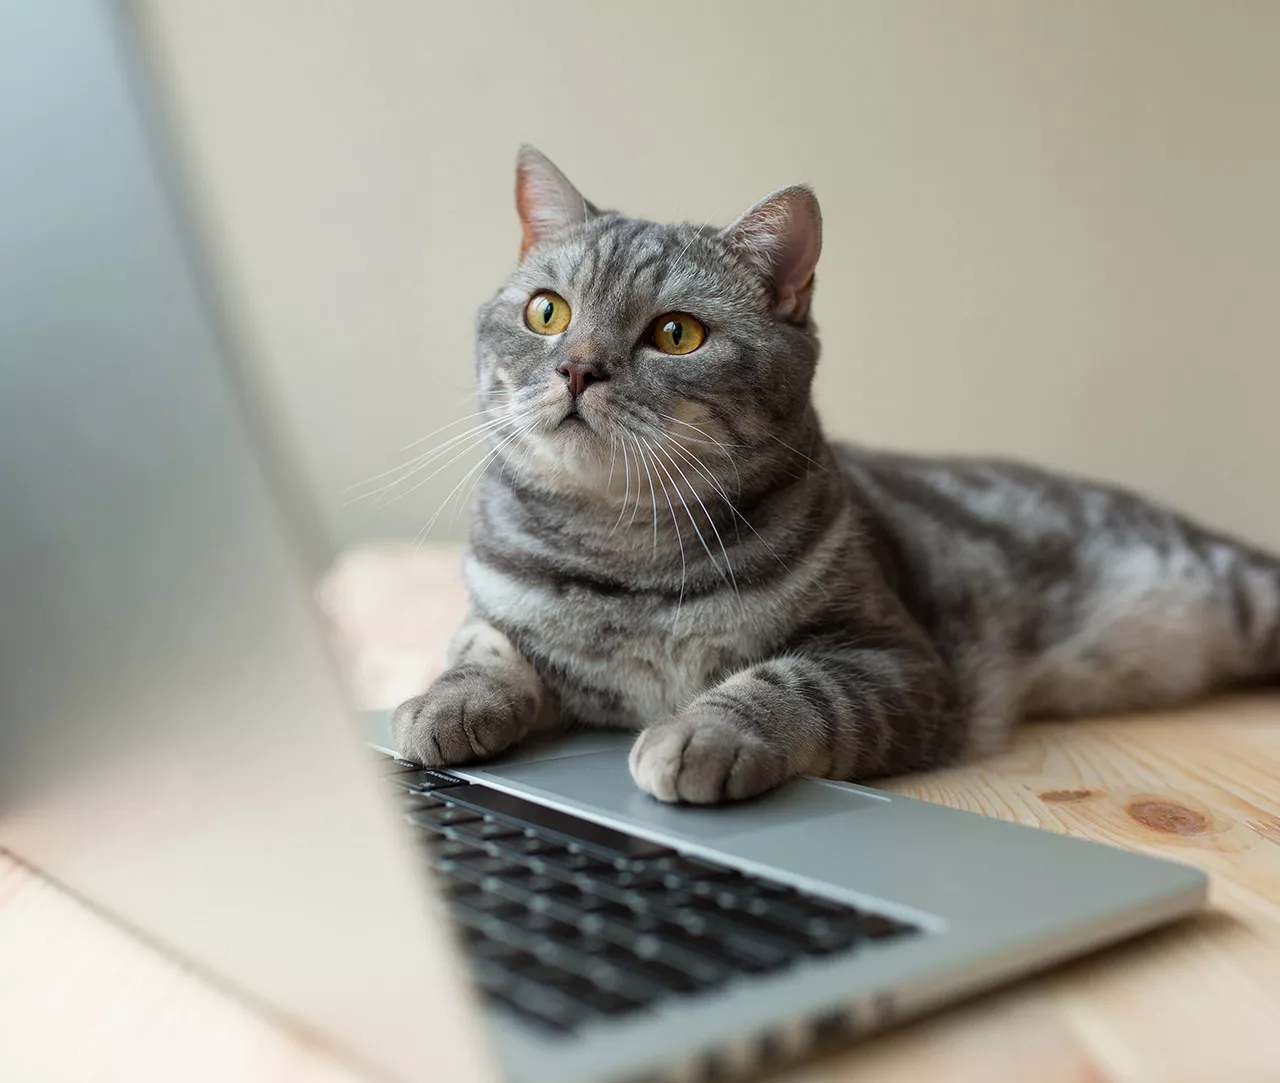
[466, 714]
[703, 758]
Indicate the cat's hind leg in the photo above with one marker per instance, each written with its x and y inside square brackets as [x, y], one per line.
[1160, 621]
[488, 699]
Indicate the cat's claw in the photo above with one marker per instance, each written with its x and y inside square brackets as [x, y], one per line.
[702, 758]
[463, 716]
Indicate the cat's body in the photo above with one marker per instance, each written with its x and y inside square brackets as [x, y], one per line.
[679, 551]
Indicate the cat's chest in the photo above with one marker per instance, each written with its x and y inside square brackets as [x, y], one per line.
[619, 660]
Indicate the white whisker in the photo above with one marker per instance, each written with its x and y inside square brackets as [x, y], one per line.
[738, 516]
[442, 428]
[626, 498]
[476, 442]
[488, 458]
[732, 579]
[723, 448]
[653, 494]
[679, 541]
[689, 513]
[675, 264]
[420, 462]
[802, 455]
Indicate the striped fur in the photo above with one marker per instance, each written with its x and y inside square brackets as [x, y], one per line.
[690, 559]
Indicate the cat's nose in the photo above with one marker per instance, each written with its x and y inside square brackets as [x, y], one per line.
[580, 374]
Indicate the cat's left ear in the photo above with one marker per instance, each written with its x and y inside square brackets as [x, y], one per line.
[547, 202]
[781, 236]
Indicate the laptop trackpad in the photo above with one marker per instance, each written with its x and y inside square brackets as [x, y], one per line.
[601, 783]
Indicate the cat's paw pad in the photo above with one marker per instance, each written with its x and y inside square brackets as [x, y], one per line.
[702, 758]
[465, 715]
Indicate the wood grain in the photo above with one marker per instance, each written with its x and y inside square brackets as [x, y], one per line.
[1195, 1003]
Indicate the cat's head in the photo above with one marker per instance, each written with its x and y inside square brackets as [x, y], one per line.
[618, 339]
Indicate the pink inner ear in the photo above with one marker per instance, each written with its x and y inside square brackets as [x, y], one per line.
[782, 236]
[526, 207]
[545, 199]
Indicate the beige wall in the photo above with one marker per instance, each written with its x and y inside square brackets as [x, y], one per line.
[1052, 229]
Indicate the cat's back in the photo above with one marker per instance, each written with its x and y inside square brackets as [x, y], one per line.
[989, 548]
[976, 497]
[991, 502]
[967, 537]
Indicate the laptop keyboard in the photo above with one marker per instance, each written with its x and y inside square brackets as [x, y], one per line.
[568, 922]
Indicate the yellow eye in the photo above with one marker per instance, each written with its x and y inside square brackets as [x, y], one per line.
[677, 332]
[547, 313]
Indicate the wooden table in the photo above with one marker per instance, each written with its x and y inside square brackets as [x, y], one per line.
[1199, 1002]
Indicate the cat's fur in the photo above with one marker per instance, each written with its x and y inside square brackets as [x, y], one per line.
[691, 559]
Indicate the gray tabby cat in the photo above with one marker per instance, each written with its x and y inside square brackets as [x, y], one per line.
[670, 545]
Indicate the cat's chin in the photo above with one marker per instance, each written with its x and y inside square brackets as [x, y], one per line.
[575, 434]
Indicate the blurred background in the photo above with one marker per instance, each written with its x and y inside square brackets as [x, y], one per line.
[1052, 229]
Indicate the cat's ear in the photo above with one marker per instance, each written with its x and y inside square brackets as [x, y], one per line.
[547, 202]
[781, 237]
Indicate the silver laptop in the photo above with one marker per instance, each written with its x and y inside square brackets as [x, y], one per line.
[175, 745]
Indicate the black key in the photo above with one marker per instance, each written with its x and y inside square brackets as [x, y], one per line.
[532, 846]
[473, 939]
[661, 899]
[483, 927]
[655, 971]
[551, 976]
[453, 888]
[550, 927]
[386, 765]
[566, 908]
[614, 974]
[486, 830]
[739, 897]
[446, 849]
[778, 917]
[590, 885]
[696, 869]
[501, 955]
[423, 779]
[573, 828]
[576, 862]
[753, 952]
[539, 1004]
[493, 865]
[617, 945]
[612, 1002]
[551, 1009]
[494, 885]
[415, 801]
[443, 816]
[596, 907]
[541, 884]
[629, 878]
[698, 971]
[535, 932]
[579, 987]
[730, 956]
[483, 902]
[676, 978]
[762, 925]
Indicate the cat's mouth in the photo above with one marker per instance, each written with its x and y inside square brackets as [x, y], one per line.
[573, 418]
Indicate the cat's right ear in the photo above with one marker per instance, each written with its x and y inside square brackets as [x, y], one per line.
[547, 202]
[781, 237]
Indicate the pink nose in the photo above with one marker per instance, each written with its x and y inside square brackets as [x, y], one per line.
[579, 374]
